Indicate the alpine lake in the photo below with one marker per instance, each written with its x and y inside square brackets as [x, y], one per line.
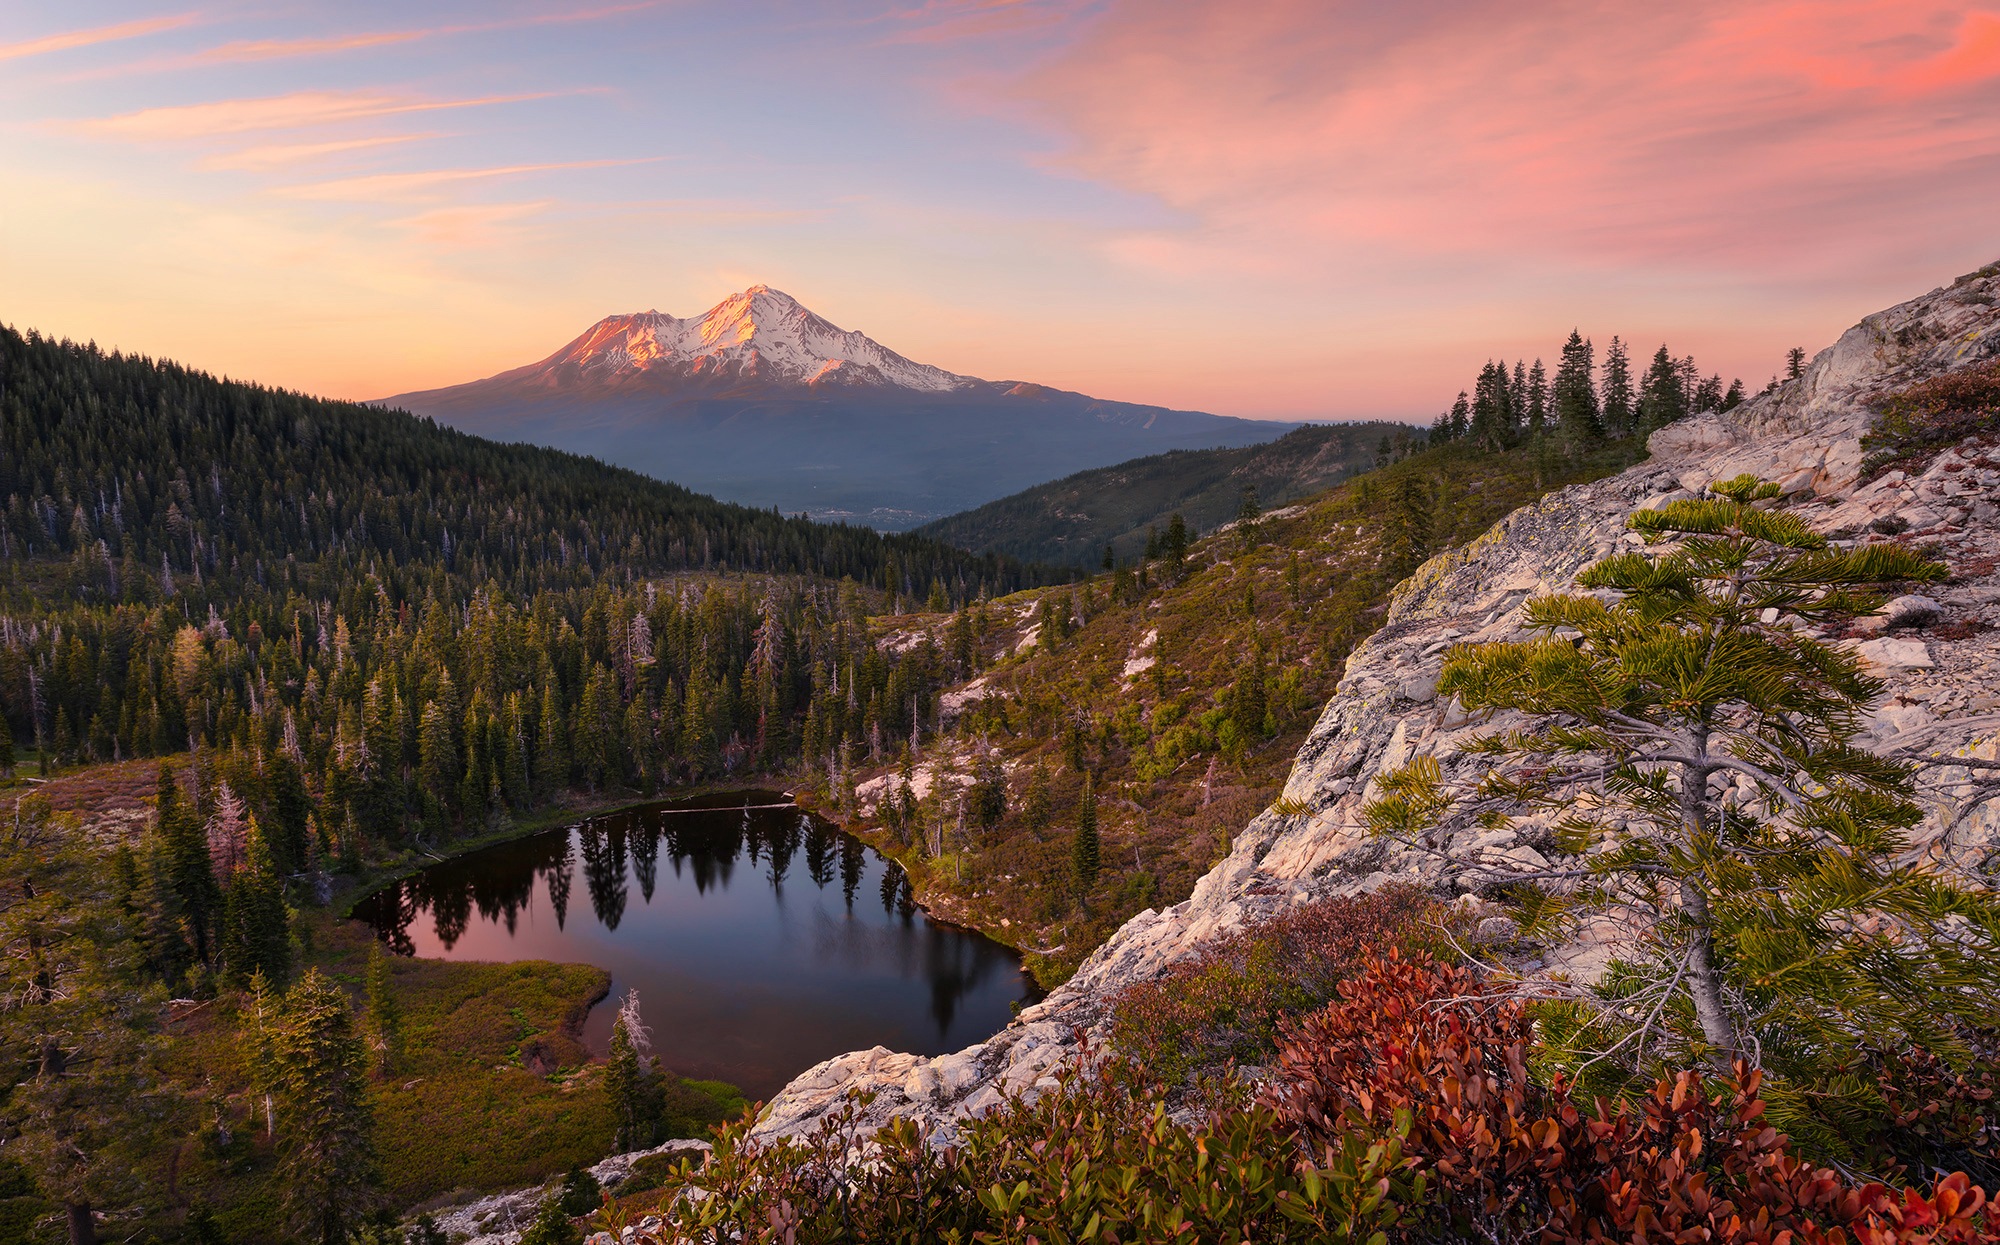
[761, 939]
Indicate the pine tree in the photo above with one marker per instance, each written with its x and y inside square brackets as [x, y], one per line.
[1538, 399]
[1248, 511]
[628, 1078]
[190, 876]
[1620, 404]
[1459, 421]
[551, 765]
[314, 1067]
[291, 809]
[1084, 847]
[1700, 764]
[256, 927]
[383, 1022]
[1578, 417]
[1176, 542]
[552, 1225]
[1795, 363]
[1662, 398]
[1491, 414]
[438, 765]
[988, 797]
[227, 831]
[1407, 527]
[6, 750]
[1037, 804]
[1707, 395]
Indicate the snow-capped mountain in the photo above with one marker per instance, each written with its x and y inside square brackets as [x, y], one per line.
[760, 401]
[761, 334]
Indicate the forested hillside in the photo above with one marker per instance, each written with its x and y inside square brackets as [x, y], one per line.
[1071, 521]
[379, 629]
[1121, 730]
[1161, 704]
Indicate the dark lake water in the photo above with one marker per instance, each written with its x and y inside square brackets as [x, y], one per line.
[761, 940]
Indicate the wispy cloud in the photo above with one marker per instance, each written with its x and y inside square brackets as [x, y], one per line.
[379, 187]
[274, 49]
[948, 21]
[1756, 135]
[298, 110]
[278, 155]
[470, 227]
[96, 34]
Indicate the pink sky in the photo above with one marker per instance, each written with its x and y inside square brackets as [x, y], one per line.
[1298, 208]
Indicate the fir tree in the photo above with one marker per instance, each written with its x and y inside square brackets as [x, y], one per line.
[313, 1066]
[1578, 417]
[256, 927]
[189, 875]
[1795, 363]
[1700, 763]
[1538, 399]
[629, 1079]
[1407, 529]
[1177, 540]
[1084, 848]
[581, 1193]
[1037, 804]
[383, 1022]
[6, 750]
[438, 764]
[1620, 403]
[291, 809]
[552, 1225]
[1662, 398]
[1248, 511]
[1492, 414]
[551, 765]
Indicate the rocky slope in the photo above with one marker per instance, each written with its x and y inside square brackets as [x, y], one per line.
[1938, 656]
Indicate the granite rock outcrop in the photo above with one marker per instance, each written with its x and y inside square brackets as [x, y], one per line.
[1939, 656]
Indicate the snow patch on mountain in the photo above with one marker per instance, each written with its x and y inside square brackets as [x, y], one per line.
[760, 334]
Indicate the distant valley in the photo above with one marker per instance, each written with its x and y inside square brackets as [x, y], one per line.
[760, 401]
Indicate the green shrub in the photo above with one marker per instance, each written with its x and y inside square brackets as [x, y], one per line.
[580, 1193]
[1095, 1159]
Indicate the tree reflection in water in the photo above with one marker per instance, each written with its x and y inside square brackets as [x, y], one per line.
[755, 982]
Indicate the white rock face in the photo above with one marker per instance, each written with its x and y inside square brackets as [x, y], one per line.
[1941, 699]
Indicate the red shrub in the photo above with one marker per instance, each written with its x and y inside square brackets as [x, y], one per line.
[1226, 1002]
[1515, 1161]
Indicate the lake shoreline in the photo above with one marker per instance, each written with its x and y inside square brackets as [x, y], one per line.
[748, 909]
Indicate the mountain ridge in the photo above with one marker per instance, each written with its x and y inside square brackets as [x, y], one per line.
[1070, 521]
[761, 401]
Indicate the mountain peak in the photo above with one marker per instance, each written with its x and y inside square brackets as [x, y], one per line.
[761, 334]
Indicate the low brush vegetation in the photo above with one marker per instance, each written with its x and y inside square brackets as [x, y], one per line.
[1406, 1110]
[1913, 424]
